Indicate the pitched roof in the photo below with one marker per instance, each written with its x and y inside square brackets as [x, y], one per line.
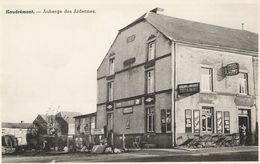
[86, 115]
[68, 116]
[17, 125]
[201, 33]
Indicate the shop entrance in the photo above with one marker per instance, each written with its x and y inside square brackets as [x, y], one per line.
[244, 126]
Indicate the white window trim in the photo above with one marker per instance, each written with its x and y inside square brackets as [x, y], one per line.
[109, 65]
[207, 67]
[247, 85]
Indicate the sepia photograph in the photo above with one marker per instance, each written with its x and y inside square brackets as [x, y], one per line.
[149, 81]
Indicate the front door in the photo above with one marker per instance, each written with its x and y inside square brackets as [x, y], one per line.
[244, 126]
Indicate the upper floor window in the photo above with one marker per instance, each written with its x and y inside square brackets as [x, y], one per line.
[111, 66]
[150, 81]
[151, 50]
[110, 91]
[243, 83]
[206, 79]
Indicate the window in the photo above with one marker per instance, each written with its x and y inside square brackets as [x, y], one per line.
[243, 83]
[196, 117]
[111, 66]
[226, 122]
[150, 81]
[110, 91]
[166, 121]
[206, 79]
[151, 51]
[219, 122]
[188, 119]
[150, 119]
[207, 119]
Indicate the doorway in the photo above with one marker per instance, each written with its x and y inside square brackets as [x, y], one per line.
[244, 122]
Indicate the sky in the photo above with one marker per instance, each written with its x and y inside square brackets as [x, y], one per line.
[49, 61]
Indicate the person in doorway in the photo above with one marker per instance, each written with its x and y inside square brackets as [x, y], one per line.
[243, 135]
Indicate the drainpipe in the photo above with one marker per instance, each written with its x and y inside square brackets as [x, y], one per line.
[173, 63]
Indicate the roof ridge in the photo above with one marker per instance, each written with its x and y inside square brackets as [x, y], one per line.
[201, 22]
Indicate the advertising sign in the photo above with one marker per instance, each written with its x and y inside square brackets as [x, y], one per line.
[97, 131]
[188, 88]
[231, 69]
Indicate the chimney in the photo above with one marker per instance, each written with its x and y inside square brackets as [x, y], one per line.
[242, 24]
[21, 121]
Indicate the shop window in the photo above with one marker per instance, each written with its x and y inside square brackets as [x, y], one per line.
[151, 50]
[243, 83]
[188, 120]
[226, 122]
[196, 117]
[207, 119]
[110, 91]
[166, 123]
[150, 119]
[111, 66]
[150, 81]
[219, 122]
[206, 79]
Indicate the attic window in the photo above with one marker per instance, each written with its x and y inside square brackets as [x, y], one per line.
[130, 39]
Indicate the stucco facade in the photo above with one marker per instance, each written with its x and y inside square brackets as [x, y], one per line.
[127, 104]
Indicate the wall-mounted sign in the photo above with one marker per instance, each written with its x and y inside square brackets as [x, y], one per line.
[149, 99]
[128, 110]
[188, 88]
[132, 102]
[97, 131]
[231, 69]
[110, 106]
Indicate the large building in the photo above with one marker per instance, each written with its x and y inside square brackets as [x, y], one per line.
[170, 79]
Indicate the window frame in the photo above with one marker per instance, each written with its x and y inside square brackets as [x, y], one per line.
[194, 123]
[186, 120]
[246, 88]
[150, 89]
[206, 119]
[219, 125]
[202, 85]
[110, 91]
[225, 123]
[151, 42]
[112, 66]
[152, 114]
[165, 125]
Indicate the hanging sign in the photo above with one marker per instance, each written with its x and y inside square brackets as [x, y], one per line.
[231, 69]
[188, 88]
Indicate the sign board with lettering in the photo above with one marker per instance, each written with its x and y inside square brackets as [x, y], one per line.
[127, 103]
[188, 88]
[231, 69]
[97, 131]
[128, 110]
